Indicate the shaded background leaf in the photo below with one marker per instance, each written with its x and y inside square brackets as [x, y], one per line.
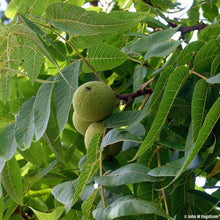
[12, 180]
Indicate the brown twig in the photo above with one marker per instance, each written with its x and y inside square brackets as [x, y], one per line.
[187, 29]
[130, 96]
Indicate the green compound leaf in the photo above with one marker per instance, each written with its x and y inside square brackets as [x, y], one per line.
[24, 127]
[64, 193]
[162, 81]
[90, 166]
[12, 180]
[198, 105]
[55, 215]
[52, 137]
[174, 84]
[36, 154]
[210, 120]
[88, 204]
[215, 68]
[162, 49]
[214, 80]
[5, 89]
[63, 93]
[210, 32]
[33, 63]
[119, 119]
[33, 32]
[73, 19]
[187, 54]
[103, 57]
[117, 135]
[42, 107]
[8, 143]
[170, 169]
[126, 206]
[205, 56]
[146, 43]
[128, 174]
[1, 204]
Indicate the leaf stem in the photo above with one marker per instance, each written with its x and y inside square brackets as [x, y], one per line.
[100, 173]
[163, 192]
[135, 60]
[145, 101]
[198, 74]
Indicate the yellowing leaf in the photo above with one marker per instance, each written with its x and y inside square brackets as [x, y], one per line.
[216, 170]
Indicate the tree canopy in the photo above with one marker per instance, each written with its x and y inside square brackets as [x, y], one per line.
[166, 120]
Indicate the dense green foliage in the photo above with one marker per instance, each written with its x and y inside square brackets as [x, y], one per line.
[168, 117]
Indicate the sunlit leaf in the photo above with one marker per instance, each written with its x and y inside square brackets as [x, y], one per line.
[70, 18]
[36, 154]
[5, 89]
[55, 215]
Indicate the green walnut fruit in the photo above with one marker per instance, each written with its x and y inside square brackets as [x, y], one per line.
[98, 127]
[80, 124]
[93, 129]
[94, 101]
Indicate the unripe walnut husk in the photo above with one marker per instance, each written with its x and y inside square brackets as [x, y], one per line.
[80, 124]
[98, 127]
[94, 101]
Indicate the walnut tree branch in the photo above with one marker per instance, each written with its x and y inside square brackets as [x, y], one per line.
[130, 96]
[187, 29]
